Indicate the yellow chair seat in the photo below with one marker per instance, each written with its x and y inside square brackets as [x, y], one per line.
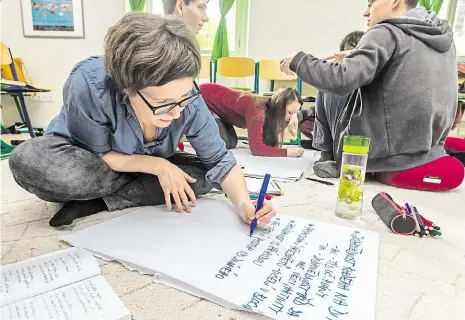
[269, 70]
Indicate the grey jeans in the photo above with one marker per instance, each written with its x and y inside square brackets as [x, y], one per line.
[56, 171]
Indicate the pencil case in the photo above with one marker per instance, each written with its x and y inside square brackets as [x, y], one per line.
[393, 215]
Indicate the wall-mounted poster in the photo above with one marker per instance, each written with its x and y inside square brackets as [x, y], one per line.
[53, 18]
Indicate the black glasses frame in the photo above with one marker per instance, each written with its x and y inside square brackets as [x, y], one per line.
[172, 105]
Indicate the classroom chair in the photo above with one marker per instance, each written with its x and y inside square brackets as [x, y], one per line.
[269, 70]
[15, 87]
[206, 70]
[7, 59]
[236, 67]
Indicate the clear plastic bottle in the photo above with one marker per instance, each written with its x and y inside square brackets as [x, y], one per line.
[353, 167]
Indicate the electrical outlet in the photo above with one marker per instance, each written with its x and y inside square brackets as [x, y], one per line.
[41, 97]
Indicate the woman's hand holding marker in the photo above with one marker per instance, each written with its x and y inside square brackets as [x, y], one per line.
[264, 215]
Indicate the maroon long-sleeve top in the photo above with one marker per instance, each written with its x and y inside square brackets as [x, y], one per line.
[242, 112]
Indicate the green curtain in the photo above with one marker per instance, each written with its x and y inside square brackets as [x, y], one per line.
[137, 5]
[434, 5]
[220, 45]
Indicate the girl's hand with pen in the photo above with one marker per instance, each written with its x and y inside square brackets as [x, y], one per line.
[264, 216]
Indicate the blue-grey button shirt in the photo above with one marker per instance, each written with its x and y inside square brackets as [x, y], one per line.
[96, 117]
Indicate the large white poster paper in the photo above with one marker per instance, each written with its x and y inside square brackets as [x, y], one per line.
[293, 268]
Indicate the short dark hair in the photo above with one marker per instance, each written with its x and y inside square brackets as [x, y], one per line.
[143, 50]
[411, 3]
[169, 5]
[351, 40]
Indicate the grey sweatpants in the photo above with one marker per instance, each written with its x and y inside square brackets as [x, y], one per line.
[56, 171]
[327, 110]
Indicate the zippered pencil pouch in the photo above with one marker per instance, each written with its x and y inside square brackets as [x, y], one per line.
[393, 215]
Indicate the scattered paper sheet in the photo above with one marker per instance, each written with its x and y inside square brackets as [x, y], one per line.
[280, 168]
[255, 184]
[294, 267]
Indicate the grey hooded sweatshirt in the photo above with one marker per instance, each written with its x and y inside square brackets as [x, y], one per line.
[406, 70]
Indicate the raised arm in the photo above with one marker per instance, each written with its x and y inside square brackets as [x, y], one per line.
[357, 70]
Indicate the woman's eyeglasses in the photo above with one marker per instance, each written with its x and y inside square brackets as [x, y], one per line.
[165, 108]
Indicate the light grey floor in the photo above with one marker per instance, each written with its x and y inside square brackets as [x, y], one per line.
[417, 278]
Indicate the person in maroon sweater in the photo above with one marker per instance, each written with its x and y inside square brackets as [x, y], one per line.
[265, 118]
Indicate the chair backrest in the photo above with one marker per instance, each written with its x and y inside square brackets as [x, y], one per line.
[269, 70]
[236, 67]
[205, 70]
[7, 59]
[5, 54]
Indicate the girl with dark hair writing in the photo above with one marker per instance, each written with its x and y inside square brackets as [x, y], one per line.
[265, 118]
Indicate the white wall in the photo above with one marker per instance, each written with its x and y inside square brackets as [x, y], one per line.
[276, 28]
[49, 61]
[280, 28]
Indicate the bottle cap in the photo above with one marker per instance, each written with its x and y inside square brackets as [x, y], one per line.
[356, 144]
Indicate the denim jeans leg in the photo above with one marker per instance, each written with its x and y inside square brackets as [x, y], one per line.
[54, 170]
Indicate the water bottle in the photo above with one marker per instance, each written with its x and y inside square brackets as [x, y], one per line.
[353, 167]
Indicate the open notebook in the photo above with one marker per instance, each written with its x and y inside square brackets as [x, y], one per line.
[60, 285]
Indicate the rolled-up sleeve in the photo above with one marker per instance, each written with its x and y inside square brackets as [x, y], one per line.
[204, 136]
[87, 121]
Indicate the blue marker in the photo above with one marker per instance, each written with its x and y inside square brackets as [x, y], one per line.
[420, 222]
[261, 197]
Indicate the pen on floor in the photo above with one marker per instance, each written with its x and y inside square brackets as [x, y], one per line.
[417, 225]
[255, 197]
[329, 183]
[281, 192]
[261, 197]
[422, 225]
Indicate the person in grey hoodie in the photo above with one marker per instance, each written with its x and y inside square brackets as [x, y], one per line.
[404, 75]
[320, 123]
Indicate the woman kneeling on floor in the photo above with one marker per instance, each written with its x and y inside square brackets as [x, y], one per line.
[113, 144]
[265, 118]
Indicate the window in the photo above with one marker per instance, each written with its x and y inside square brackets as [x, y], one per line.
[236, 21]
[454, 12]
[459, 28]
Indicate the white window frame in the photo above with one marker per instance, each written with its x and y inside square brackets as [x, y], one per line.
[450, 17]
[242, 31]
